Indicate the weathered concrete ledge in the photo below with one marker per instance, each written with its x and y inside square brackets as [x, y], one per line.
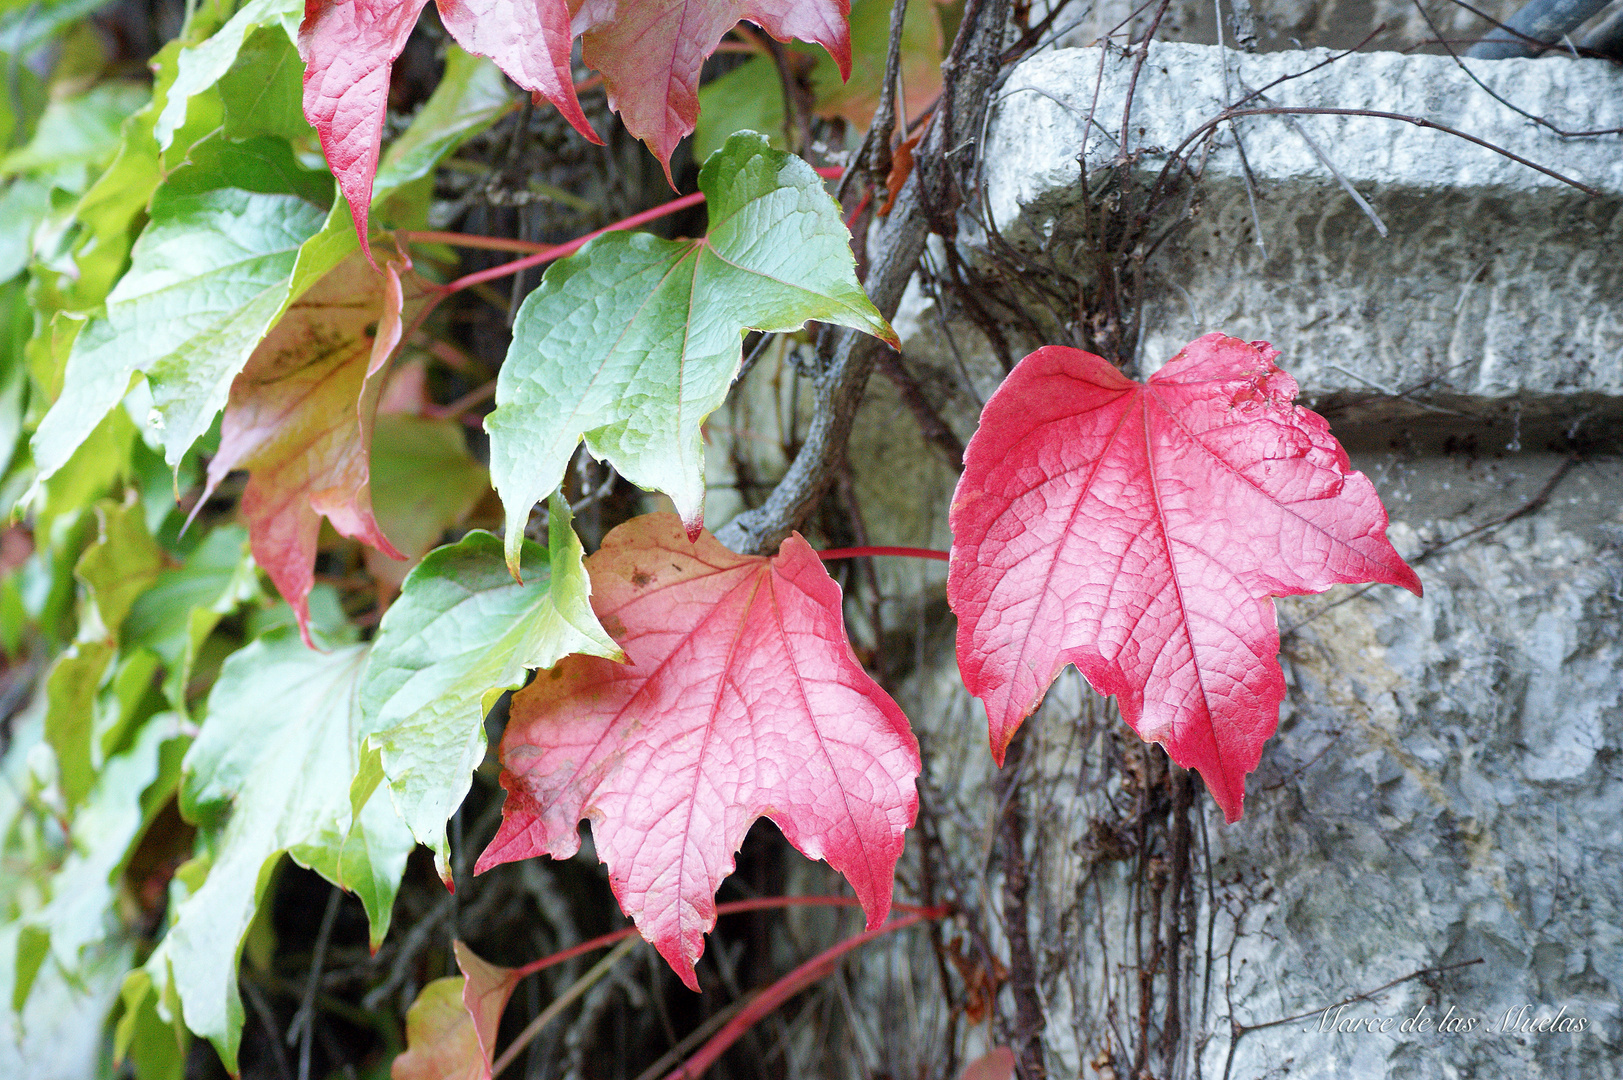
[1497, 288]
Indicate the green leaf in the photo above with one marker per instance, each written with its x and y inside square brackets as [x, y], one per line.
[203, 65]
[210, 276]
[60, 1033]
[184, 604]
[78, 135]
[93, 468]
[278, 751]
[368, 859]
[70, 717]
[423, 482]
[471, 96]
[22, 207]
[14, 319]
[109, 212]
[462, 632]
[260, 164]
[82, 911]
[747, 98]
[634, 341]
[114, 570]
[27, 24]
[155, 1049]
[28, 101]
[263, 93]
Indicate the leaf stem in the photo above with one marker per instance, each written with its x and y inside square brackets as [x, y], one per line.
[468, 240]
[455, 409]
[544, 254]
[865, 552]
[912, 913]
[732, 907]
[559, 1004]
[812, 971]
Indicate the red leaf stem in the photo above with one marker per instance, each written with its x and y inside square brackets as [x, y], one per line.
[560, 250]
[467, 240]
[812, 971]
[543, 253]
[856, 211]
[865, 552]
[732, 907]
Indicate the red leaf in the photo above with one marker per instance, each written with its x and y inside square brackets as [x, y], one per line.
[1138, 532]
[441, 1043]
[742, 699]
[300, 420]
[451, 1027]
[996, 1064]
[484, 998]
[349, 46]
[650, 52]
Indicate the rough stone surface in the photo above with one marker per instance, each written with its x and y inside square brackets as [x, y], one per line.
[1273, 25]
[1445, 786]
[1496, 289]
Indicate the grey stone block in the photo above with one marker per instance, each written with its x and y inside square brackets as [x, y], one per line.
[1444, 787]
[1445, 783]
[1497, 292]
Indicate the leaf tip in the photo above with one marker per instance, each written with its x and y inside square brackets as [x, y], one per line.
[442, 867]
[301, 613]
[511, 546]
[1408, 579]
[571, 111]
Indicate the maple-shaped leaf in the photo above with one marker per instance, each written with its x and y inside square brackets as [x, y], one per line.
[650, 52]
[634, 341]
[300, 418]
[274, 758]
[451, 1027]
[742, 699]
[349, 47]
[1139, 531]
[207, 278]
[462, 632]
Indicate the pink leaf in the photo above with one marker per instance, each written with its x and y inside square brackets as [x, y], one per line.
[1138, 532]
[484, 997]
[440, 1040]
[451, 1027]
[650, 52]
[300, 420]
[742, 699]
[349, 47]
[995, 1064]
[528, 39]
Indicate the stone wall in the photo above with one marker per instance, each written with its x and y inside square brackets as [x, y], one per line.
[1442, 808]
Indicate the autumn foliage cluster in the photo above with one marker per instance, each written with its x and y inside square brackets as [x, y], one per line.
[211, 282]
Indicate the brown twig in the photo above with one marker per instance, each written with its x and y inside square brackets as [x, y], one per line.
[1518, 110]
[1029, 1021]
[931, 425]
[839, 386]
